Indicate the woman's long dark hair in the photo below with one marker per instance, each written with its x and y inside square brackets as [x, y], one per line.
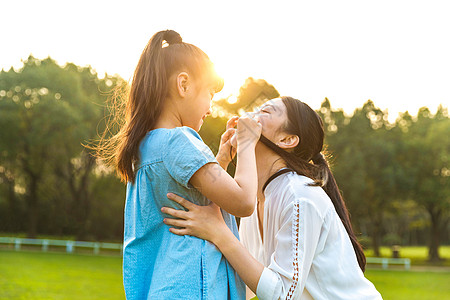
[164, 55]
[308, 126]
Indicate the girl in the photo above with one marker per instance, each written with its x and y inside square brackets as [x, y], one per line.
[299, 243]
[159, 150]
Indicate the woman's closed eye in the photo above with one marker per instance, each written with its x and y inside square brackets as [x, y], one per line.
[265, 109]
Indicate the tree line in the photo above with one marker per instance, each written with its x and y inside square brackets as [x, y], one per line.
[393, 176]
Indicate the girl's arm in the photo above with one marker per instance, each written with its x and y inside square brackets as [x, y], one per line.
[206, 222]
[235, 195]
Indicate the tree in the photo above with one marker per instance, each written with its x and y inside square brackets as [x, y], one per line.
[365, 165]
[427, 164]
[47, 112]
[251, 94]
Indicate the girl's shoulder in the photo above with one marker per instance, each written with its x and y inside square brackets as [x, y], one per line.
[162, 140]
[181, 150]
[186, 132]
[184, 140]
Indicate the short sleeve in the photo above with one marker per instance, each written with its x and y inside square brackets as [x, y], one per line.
[185, 153]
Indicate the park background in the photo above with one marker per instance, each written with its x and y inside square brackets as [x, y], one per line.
[381, 87]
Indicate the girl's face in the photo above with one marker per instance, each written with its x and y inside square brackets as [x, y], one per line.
[199, 104]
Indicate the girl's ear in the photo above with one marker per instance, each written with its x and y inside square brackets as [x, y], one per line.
[289, 142]
[183, 83]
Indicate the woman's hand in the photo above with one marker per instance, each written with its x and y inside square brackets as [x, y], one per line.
[205, 222]
[226, 151]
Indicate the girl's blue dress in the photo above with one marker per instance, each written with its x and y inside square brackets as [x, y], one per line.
[158, 264]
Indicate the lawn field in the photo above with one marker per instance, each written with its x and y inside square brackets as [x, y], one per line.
[38, 275]
[418, 255]
[411, 285]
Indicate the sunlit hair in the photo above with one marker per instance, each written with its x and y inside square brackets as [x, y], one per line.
[307, 159]
[164, 56]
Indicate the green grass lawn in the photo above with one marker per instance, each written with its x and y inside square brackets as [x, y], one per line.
[38, 275]
[404, 285]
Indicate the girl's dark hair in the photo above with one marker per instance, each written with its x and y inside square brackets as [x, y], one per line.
[308, 126]
[164, 55]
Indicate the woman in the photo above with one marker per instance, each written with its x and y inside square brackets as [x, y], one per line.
[299, 243]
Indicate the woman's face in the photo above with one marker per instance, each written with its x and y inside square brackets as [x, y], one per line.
[273, 116]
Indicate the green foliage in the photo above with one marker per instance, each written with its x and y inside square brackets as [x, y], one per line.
[212, 130]
[252, 94]
[427, 162]
[389, 172]
[391, 239]
[46, 113]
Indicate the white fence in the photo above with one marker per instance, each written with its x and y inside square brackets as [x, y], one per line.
[386, 261]
[96, 247]
[69, 245]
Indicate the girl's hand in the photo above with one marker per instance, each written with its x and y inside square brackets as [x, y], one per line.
[205, 222]
[248, 130]
[226, 151]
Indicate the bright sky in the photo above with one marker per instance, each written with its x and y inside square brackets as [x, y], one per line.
[395, 52]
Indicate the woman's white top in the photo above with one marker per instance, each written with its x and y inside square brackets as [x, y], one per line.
[306, 251]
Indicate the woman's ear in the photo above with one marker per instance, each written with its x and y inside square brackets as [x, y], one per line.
[289, 142]
[183, 83]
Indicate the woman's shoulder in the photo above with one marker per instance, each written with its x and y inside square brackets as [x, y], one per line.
[293, 188]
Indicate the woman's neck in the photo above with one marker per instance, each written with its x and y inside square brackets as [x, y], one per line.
[268, 163]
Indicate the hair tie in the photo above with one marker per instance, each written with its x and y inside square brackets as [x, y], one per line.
[172, 37]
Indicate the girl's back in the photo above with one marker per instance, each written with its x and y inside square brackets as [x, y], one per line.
[158, 264]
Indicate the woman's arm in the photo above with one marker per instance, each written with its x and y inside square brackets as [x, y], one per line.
[235, 195]
[296, 241]
[206, 222]
[248, 268]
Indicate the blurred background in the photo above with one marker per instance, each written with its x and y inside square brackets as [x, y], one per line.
[377, 73]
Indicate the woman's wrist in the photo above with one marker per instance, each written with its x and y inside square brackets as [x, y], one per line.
[222, 236]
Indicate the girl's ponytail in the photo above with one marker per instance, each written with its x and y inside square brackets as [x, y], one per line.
[164, 54]
[144, 105]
